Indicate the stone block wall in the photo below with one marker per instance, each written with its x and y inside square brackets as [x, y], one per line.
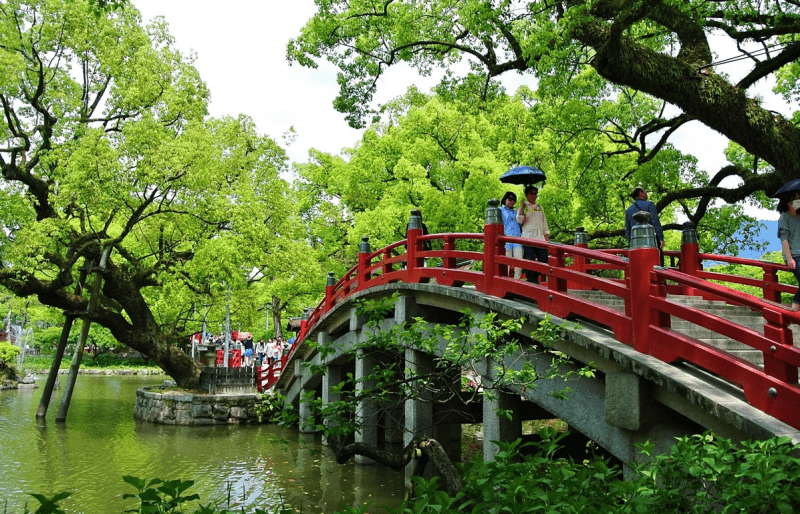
[156, 405]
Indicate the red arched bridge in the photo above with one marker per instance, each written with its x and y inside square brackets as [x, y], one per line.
[644, 310]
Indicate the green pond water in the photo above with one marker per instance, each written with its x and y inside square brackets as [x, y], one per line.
[238, 466]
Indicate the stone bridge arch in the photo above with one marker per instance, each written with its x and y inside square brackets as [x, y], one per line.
[633, 397]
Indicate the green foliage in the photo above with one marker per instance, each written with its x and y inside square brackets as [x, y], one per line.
[49, 505]
[597, 124]
[126, 157]
[8, 371]
[107, 361]
[268, 406]
[156, 496]
[701, 474]
[163, 499]
[445, 157]
[8, 351]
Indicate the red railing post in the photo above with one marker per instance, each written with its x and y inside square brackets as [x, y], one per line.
[387, 268]
[413, 247]
[776, 328]
[579, 261]
[643, 256]
[448, 262]
[690, 254]
[363, 275]
[492, 230]
[581, 241]
[771, 279]
[556, 259]
[329, 292]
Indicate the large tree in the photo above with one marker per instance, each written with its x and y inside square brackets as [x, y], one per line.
[105, 144]
[659, 48]
[444, 156]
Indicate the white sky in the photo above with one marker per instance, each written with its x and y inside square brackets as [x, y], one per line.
[241, 55]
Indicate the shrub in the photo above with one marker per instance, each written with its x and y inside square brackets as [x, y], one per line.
[701, 474]
[268, 406]
[8, 352]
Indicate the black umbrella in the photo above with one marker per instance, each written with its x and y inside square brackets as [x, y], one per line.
[791, 186]
[522, 175]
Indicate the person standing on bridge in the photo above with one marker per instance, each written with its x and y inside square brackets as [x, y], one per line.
[261, 350]
[534, 226]
[248, 351]
[511, 228]
[640, 203]
[789, 234]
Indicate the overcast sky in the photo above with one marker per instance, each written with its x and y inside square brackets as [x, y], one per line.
[241, 55]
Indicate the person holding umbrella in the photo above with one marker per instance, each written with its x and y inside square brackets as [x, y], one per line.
[511, 228]
[530, 215]
[789, 230]
[534, 226]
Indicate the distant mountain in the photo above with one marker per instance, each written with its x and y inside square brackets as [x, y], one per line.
[768, 234]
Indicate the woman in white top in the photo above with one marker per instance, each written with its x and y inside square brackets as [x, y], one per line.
[272, 350]
[534, 226]
[261, 350]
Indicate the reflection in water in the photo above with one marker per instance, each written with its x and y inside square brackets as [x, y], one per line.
[240, 466]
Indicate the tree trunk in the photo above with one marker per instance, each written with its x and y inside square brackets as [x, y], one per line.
[420, 448]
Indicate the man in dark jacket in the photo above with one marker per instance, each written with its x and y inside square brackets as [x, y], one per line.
[640, 203]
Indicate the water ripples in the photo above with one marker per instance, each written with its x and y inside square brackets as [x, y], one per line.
[234, 466]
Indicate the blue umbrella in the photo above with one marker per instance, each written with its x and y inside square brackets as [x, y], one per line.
[522, 175]
[789, 187]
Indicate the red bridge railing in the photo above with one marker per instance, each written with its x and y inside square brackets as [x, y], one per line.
[642, 284]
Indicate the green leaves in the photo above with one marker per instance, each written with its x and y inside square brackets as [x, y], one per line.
[50, 505]
[157, 500]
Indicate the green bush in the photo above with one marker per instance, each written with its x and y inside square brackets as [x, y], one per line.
[268, 406]
[701, 474]
[8, 352]
[8, 371]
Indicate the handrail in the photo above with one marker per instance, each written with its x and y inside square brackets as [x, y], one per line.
[643, 286]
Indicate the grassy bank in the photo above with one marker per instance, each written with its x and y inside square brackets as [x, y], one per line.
[38, 364]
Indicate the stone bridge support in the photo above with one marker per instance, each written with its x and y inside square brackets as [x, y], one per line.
[631, 398]
[497, 427]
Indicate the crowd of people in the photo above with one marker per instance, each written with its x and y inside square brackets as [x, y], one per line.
[271, 351]
[266, 352]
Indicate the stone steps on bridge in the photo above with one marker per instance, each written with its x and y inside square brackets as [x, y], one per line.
[737, 314]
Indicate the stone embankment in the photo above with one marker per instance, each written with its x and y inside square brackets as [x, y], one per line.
[161, 405]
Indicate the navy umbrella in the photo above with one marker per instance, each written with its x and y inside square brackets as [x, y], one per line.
[789, 187]
[522, 175]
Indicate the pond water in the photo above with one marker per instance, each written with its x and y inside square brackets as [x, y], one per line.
[238, 466]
